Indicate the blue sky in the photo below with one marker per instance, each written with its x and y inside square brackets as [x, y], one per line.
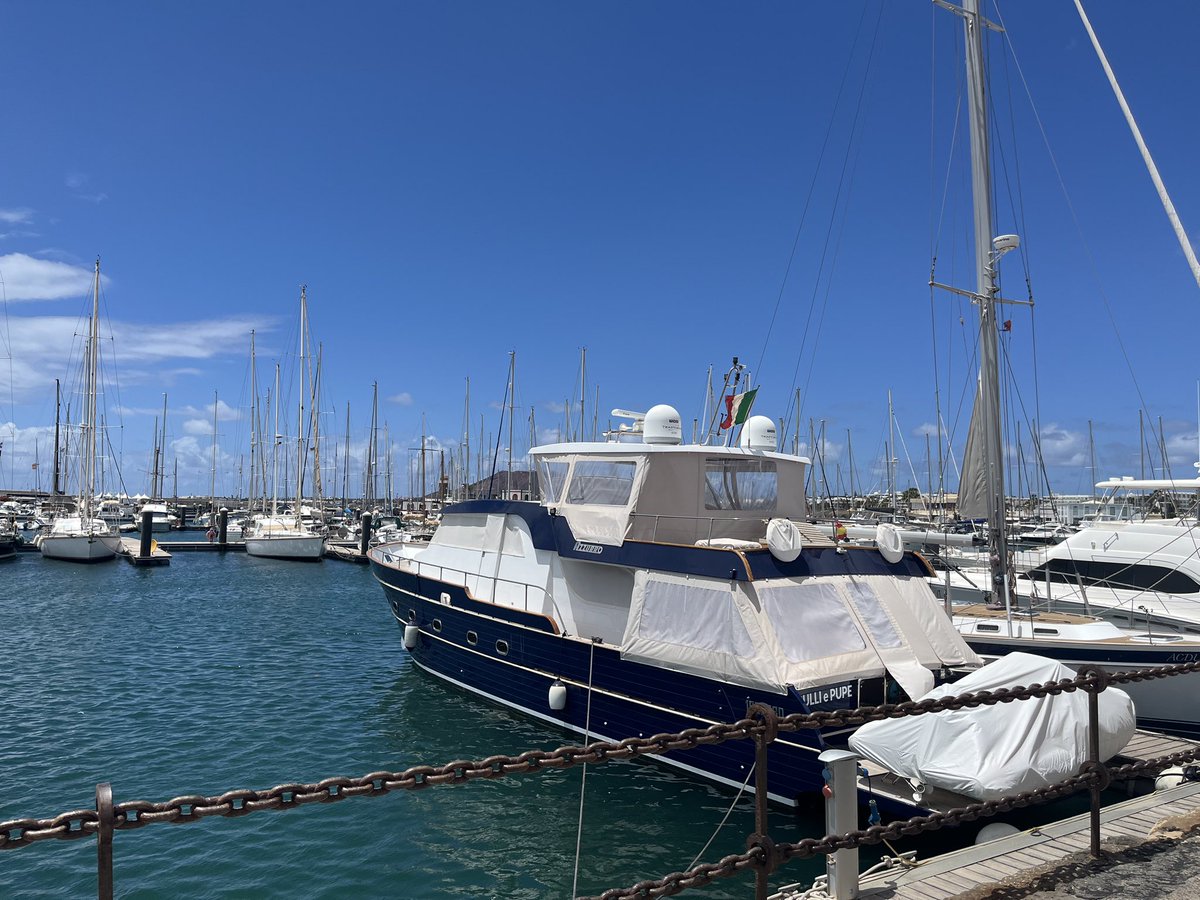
[457, 180]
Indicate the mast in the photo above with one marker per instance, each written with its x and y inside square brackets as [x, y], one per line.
[300, 410]
[1092, 455]
[387, 442]
[986, 258]
[275, 451]
[253, 424]
[891, 457]
[467, 441]
[582, 392]
[162, 473]
[370, 486]
[212, 488]
[315, 417]
[88, 482]
[154, 463]
[57, 407]
[512, 377]
[346, 460]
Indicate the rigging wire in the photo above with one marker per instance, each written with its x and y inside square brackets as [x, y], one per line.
[842, 181]
[811, 188]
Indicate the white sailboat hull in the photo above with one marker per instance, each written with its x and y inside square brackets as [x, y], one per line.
[80, 547]
[305, 546]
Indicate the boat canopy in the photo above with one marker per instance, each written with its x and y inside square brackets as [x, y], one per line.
[610, 493]
[798, 632]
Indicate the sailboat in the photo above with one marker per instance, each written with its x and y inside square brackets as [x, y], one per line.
[84, 536]
[278, 534]
[998, 625]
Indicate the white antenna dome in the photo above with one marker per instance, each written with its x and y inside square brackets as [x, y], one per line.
[758, 434]
[662, 425]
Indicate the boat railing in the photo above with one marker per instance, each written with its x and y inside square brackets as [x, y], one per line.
[421, 568]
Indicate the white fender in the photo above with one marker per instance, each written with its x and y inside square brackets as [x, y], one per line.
[411, 634]
[889, 542]
[558, 696]
[784, 539]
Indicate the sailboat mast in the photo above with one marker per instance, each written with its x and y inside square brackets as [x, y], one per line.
[275, 451]
[253, 424]
[300, 412]
[162, 472]
[58, 406]
[512, 377]
[212, 491]
[346, 459]
[985, 273]
[88, 483]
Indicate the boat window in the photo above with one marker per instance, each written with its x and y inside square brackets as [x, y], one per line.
[472, 638]
[811, 621]
[1045, 631]
[987, 627]
[437, 625]
[502, 648]
[870, 609]
[1142, 576]
[698, 618]
[553, 474]
[740, 484]
[601, 482]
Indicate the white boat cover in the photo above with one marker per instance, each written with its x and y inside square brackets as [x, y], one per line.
[993, 751]
[802, 632]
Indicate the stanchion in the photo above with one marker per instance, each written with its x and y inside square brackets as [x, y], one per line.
[104, 834]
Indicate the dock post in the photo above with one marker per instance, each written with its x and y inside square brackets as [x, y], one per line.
[222, 525]
[841, 817]
[104, 836]
[147, 534]
[364, 535]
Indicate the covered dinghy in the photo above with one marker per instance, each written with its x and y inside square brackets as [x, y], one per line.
[988, 752]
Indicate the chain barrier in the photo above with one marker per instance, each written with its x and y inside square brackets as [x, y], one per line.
[129, 815]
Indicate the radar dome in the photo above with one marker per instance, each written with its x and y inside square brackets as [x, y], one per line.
[662, 425]
[758, 434]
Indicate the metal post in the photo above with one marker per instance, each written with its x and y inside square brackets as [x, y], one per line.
[1094, 763]
[364, 535]
[841, 817]
[222, 526]
[104, 833]
[147, 533]
[760, 838]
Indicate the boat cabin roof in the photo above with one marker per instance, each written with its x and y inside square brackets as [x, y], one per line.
[675, 493]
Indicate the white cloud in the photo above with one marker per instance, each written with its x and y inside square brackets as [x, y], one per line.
[404, 398]
[197, 426]
[225, 413]
[76, 180]
[555, 407]
[45, 347]
[19, 216]
[926, 428]
[1063, 447]
[28, 278]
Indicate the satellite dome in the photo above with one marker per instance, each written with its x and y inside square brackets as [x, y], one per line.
[662, 426]
[758, 434]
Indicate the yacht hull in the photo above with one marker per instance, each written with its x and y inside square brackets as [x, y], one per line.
[80, 547]
[302, 547]
[474, 646]
[1161, 704]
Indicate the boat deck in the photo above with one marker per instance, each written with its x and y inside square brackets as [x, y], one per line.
[131, 549]
[986, 865]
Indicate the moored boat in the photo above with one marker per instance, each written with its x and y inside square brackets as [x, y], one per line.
[655, 586]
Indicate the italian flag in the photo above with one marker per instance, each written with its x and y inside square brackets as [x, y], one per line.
[738, 408]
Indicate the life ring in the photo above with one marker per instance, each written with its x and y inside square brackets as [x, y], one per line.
[889, 542]
[784, 540]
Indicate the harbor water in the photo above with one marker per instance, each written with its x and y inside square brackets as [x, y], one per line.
[224, 671]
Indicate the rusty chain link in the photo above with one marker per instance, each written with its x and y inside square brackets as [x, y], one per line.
[83, 823]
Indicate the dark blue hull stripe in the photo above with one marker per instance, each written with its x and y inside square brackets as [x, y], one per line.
[628, 699]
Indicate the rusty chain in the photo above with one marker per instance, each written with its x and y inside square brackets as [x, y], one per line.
[83, 823]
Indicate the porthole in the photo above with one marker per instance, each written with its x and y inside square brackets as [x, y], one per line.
[412, 615]
[472, 638]
[502, 648]
[437, 625]
[1045, 631]
[977, 628]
